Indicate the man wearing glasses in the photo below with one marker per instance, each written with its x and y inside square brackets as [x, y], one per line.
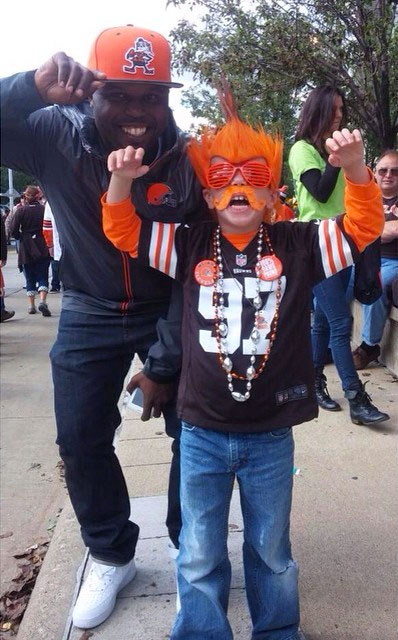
[375, 315]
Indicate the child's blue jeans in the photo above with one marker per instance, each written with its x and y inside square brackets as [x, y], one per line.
[262, 464]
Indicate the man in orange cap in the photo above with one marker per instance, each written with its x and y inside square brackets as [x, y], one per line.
[113, 308]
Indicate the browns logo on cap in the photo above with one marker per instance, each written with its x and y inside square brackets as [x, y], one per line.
[132, 54]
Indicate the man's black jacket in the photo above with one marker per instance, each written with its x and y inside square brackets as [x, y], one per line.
[60, 147]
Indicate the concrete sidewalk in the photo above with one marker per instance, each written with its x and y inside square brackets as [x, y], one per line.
[344, 525]
[32, 491]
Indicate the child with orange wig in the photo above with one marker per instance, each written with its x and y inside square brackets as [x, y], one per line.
[247, 376]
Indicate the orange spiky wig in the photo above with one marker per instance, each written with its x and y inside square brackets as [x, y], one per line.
[236, 141]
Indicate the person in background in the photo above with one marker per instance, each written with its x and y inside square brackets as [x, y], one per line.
[4, 314]
[320, 195]
[5, 212]
[376, 314]
[10, 218]
[285, 212]
[33, 255]
[51, 236]
[112, 307]
[247, 376]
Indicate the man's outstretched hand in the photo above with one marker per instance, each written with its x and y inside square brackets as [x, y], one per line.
[156, 395]
[62, 80]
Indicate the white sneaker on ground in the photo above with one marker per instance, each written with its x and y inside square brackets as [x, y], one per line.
[172, 550]
[173, 553]
[97, 596]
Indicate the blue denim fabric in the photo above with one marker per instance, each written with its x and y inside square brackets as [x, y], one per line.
[262, 464]
[376, 314]
[332, 325]
[36, 275]
[90, 360]
[55, 283]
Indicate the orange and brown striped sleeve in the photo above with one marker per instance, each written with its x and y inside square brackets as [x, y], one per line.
[121, 225]
[360, 225]
[48, 232]
[364, 214]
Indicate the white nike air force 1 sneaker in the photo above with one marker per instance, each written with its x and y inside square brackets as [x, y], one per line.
[97, 596]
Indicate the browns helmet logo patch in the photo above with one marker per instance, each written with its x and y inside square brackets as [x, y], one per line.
[160, 194]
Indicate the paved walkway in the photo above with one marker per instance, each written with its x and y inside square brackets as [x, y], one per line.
[32, 491]
[343, 523]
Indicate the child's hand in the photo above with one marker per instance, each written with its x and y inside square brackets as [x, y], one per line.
[127, 163]
[345, 148]
[346, 151]
[125, 166]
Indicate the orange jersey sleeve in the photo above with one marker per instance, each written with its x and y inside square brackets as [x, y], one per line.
[48, 232]
[121, 225]
[364, 215]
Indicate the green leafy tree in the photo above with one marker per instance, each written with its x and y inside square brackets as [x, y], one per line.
[273, 52]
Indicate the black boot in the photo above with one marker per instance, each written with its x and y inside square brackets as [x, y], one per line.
[362, 410]
[322, 393]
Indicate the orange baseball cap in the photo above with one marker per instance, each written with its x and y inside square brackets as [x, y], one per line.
[132, 54]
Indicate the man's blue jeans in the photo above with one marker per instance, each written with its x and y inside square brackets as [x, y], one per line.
[55, 283]
[333, 323]
[262, 464]
[90, 360]
[376, 314]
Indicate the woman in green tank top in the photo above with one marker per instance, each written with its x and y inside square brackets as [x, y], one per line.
[320, 194]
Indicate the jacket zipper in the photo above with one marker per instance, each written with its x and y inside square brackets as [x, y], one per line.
[127, 282]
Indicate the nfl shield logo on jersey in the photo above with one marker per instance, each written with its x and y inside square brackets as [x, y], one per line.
[241, 260]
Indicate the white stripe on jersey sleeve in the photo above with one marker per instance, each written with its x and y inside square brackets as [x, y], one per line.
[162, 250]
[329, 235]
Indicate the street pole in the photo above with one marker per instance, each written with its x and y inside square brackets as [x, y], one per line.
[11, 189]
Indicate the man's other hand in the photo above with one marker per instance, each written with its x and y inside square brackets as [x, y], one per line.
[156, 395]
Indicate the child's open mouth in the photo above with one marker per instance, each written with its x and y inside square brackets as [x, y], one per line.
[239, 202]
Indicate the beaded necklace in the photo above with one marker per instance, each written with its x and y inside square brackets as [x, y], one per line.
[222, 328]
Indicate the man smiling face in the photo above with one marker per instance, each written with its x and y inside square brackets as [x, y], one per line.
[387, 174]
[131, 113]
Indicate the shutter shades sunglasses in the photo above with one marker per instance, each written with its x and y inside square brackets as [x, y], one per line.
[256, 174]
